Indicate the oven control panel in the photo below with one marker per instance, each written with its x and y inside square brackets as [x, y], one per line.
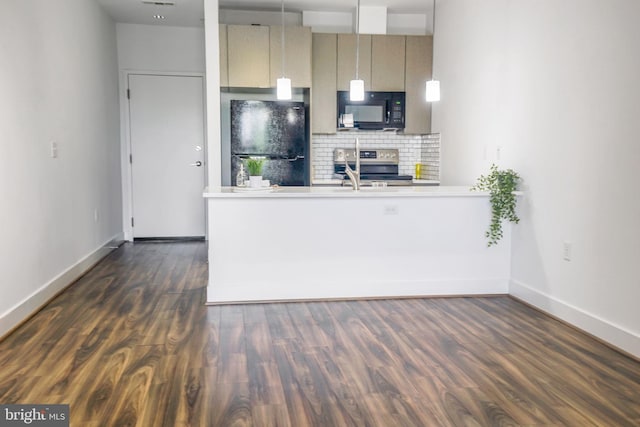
[380, 156]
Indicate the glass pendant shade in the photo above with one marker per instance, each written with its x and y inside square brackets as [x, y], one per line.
[356, 90]
[283, 88]
[433, 90]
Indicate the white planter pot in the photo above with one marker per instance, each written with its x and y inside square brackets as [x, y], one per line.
[255, 181]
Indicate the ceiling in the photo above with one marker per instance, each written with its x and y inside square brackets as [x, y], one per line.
[190, 13]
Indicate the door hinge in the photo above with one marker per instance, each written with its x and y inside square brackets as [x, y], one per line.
[130, 158]
[132, 221]
[128, 93]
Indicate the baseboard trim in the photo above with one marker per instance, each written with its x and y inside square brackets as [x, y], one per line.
[24, 310]
[234, 293]
[181, 239]
[258, 302]
[613, 335]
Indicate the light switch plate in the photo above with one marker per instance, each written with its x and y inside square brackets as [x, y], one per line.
[391, 209]
[566, 251]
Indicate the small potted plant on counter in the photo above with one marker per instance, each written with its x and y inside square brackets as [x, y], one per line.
[254, 165]
[501, 185]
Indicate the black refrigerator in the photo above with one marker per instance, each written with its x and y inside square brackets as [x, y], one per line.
[276, 131]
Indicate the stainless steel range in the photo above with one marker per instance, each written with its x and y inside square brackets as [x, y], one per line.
[375, 166]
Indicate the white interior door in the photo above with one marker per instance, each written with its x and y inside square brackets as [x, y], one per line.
[167, 169]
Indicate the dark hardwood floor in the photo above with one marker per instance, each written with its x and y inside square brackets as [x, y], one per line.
[132, 344]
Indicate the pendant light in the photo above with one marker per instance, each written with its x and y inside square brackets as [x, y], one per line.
[433, 86]
[356, 87]
[433, 91]
[283, 91]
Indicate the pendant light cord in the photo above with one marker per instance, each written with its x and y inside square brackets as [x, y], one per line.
[433, 35]
[358, 38]
[433, 20]
[282, 36]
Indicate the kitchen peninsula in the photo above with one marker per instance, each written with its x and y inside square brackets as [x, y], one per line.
[300, 243]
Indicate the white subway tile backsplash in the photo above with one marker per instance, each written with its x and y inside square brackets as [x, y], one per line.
[412, 148]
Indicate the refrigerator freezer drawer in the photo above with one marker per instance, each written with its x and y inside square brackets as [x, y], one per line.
[284, 172]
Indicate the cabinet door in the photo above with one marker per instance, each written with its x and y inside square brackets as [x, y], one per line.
[224, 63]
[248, 49]
[419, 59]
[387, 63]
[347, 60]
[297, 44]
[323, 89]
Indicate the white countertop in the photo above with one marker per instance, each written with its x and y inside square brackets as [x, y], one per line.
[425, 182]
[339, 182]
[334, 192]
[334, 181]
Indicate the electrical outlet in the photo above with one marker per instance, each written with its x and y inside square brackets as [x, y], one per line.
[54, 150]
[391, 209]
[96, 215]
[566, 251]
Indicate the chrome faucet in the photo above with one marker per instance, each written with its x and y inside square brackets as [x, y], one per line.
[354, 175]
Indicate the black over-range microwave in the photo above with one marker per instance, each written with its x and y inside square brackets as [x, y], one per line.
[379, 110]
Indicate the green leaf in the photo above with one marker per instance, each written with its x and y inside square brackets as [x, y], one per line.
[254, 165]
[500, 184]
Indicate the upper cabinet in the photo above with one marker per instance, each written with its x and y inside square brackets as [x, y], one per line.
[297, 44]
[248, 55]
[251, 56]
[224, 64]
[380, 65]
[387, 63]
[323, 89]
[417, 72]
[347, 46]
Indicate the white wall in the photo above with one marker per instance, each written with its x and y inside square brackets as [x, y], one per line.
[59, 81]
[433, 245]
[262, 17]
[212, 49]
[555, 86]
[160, 48]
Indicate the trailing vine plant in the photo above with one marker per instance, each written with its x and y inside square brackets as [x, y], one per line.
[500, 184]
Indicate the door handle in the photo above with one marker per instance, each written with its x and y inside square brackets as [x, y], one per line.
[196, 164]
